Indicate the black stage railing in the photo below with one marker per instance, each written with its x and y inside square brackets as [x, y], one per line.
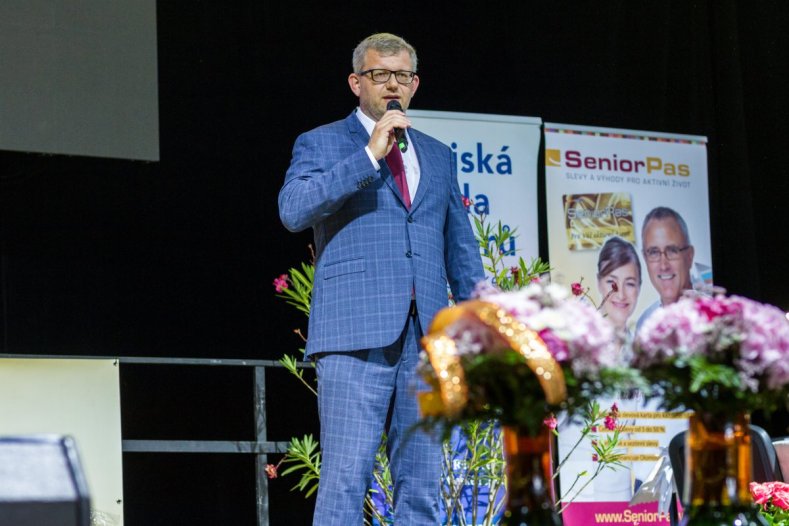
[261, 447]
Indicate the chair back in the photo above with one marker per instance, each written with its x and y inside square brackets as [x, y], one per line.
[764, 458]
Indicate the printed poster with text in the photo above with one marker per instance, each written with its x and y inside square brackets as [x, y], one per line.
[600, 186]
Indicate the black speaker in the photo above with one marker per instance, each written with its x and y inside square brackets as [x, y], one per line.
[41, 482]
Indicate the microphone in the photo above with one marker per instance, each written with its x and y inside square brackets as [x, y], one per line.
[400, 138]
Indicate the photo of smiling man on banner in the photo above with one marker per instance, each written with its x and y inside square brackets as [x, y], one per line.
[669, 256]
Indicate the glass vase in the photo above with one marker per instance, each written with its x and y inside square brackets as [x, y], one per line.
[530, 494]
[718, 471]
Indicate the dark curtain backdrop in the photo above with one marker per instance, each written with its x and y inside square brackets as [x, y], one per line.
[176, 258]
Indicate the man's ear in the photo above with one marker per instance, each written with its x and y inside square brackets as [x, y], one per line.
[414, 85]
[355, 83]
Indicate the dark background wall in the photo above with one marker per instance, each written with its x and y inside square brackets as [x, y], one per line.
[176, 258]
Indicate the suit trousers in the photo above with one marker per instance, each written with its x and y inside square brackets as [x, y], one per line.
[360, 395]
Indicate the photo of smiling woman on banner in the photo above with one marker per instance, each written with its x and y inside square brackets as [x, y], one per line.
[619, 282]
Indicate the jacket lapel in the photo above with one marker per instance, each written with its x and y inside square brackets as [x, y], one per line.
[425, 168]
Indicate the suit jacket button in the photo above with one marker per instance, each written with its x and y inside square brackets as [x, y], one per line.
[410, 219]
[408, 254]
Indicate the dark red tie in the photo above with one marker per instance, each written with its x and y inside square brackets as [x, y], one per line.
[394, 160]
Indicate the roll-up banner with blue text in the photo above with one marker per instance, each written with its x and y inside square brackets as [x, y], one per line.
[496, 158]
[601, 185]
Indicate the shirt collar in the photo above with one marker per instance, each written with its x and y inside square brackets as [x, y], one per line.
[369, 124]
[366, 121]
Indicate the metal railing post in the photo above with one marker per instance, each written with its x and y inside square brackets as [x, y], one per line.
[261, 459]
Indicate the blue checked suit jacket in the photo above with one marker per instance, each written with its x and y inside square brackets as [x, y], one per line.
[371, 252]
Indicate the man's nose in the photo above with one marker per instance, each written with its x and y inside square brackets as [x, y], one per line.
[392, 82]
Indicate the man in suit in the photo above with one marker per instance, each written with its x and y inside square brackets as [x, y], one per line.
[390, 233]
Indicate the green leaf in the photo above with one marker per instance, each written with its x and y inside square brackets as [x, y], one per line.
[704, 373]
[304, 458]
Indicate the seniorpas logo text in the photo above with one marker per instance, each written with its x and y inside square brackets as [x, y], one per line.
[650, 165]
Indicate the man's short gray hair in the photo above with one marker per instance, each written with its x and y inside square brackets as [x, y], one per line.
[664, 212]
[386, 44]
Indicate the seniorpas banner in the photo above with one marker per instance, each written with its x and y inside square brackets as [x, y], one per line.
[601, 184]
[496, 158]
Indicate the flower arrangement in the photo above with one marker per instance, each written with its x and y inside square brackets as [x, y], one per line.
[518, 356]
[717, 355]
[519, 351]
[773, 501]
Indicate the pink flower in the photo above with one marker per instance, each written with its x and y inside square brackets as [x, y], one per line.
[281, 283]
[754, 337]
[781, 495]
[781, 499]
[577, 288]
[550, 422]
[716, 307]
[595, 457]
[466, 201]
[556, 345]
[271, 471]
[610, 423]
[760, 492]
[615, 409]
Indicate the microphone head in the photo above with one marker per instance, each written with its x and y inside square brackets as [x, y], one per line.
[402, 142]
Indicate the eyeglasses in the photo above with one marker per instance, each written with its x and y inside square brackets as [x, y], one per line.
[671, 252]
[382, 76]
